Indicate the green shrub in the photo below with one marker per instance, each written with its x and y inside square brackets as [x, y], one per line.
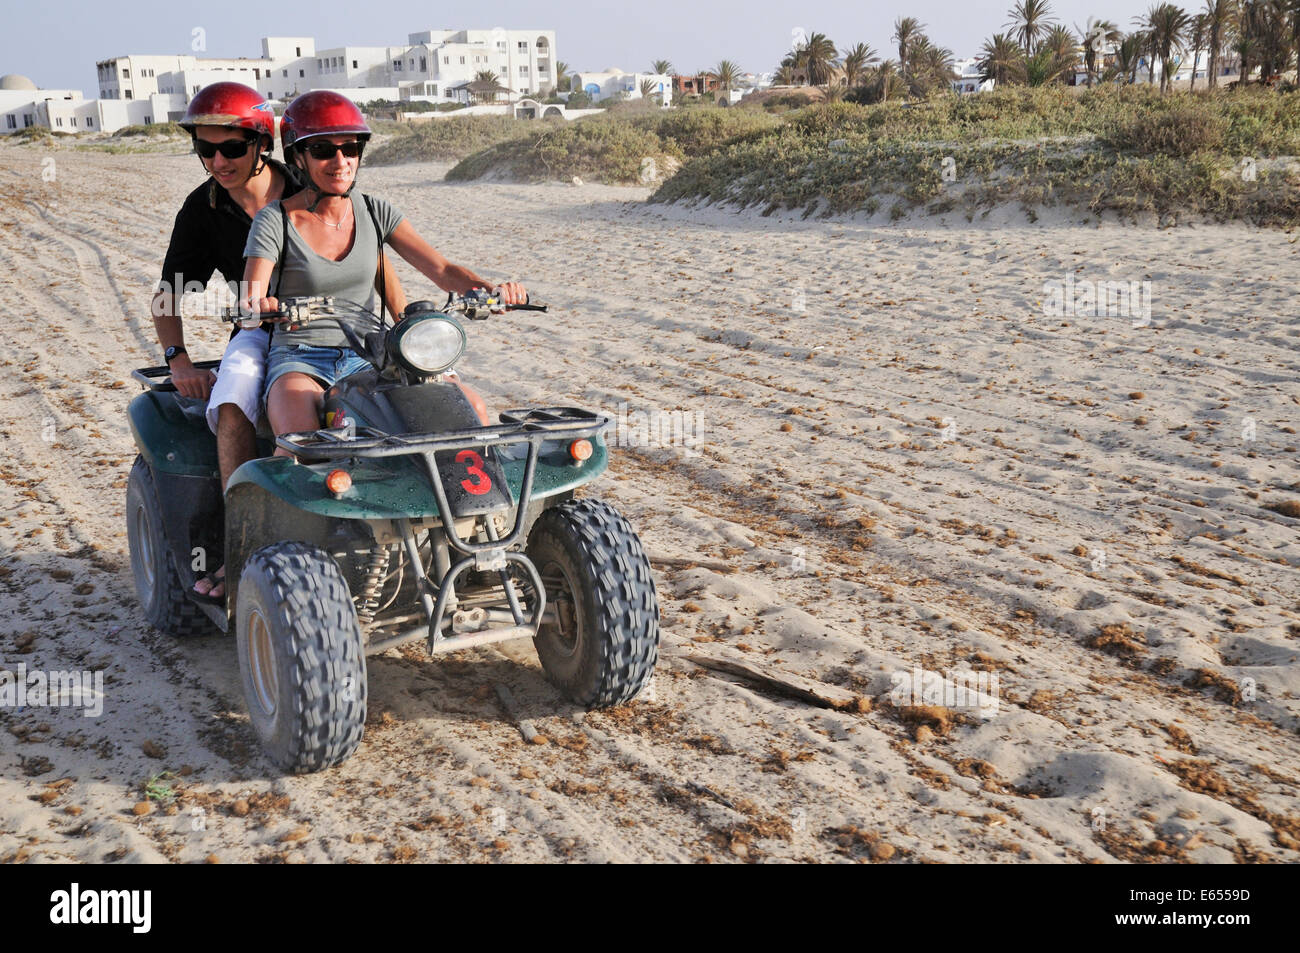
[599, 149]
[1125, 150]
[1181, 130]
[32, 134]
[166, 129]
[698, 131]
[441, 140]
[785, 102]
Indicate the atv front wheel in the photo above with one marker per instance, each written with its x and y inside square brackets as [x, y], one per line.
[157, 583]
[300, 657]
[602, 647]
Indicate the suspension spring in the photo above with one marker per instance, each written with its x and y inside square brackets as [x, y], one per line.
[373, 584]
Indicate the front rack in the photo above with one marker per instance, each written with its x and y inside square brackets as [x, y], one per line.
[533, 426]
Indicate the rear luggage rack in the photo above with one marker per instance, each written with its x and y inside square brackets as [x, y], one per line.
[159, 378]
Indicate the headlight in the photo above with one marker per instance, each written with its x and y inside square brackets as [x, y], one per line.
[429, 345]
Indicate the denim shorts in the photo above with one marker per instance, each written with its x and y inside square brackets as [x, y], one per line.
[327, 365]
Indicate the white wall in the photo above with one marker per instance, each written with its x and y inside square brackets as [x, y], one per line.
[288, 47]
[29, 104]
[611, 84]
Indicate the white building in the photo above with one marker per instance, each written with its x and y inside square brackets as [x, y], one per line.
[613, 83]
[426, 67]
[23, 105]
[430, 66]
[968, 78]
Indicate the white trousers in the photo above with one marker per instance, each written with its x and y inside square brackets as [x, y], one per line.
[239, 379]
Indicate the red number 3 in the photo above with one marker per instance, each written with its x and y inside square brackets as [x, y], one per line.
[483, 483]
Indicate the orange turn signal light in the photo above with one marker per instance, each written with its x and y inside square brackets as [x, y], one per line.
[338, 482]
[580, 450]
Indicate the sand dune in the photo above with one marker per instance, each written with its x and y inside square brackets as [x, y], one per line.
[895, 461]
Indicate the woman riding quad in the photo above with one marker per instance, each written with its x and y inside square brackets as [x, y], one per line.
[323, 241]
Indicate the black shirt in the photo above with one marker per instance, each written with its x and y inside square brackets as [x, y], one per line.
[209, 235]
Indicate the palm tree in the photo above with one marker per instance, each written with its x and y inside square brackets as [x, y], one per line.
[907, 30]
[1246, 47]
[495, 88]
[931, 68]
[727, 73]
[1167, 25]
[1061, 42]
[1003, 61]
[1031, 20]
[646, 87]
[561, 75]
[662, 67]
[883, 83]
[1196, 30]
[1098, 35]
[817, 58]
[784, 75]
[1294, 7]
[1271, 31]
[856, 60]
[1127, 56]
[1063, 48]
[1146, 49]
[1046, 67]
[1218, 21]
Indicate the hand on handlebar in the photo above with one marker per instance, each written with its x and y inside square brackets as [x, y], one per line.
[268, 306]
[191, 381]
[260, 305]
[511, 293]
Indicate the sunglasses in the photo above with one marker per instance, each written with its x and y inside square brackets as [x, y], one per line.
[323, 151]
[230, 148]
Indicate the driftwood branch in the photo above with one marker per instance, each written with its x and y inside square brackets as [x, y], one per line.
[791, 686]
[691, 561]
[526, 728]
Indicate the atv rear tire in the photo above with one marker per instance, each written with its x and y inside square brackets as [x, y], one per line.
[157, 583]
[603, 647]
[301, 657]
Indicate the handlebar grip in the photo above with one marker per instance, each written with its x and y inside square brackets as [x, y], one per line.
[527, 307]
[236, 315]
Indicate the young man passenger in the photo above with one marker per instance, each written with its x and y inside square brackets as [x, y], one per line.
[233, 130]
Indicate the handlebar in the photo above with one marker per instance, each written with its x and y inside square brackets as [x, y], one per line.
[477, 305]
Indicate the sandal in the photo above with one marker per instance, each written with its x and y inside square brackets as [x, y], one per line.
[216, 580]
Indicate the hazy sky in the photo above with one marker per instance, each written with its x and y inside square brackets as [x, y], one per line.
[57, 43]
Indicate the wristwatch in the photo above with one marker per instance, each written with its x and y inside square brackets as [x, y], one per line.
[171, 352]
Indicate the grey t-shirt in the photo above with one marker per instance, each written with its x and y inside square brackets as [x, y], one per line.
[307, 273]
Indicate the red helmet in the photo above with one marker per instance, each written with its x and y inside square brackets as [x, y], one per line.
[232, 105]
[320, 113]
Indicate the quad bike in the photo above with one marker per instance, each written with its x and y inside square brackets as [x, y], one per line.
[402, 519]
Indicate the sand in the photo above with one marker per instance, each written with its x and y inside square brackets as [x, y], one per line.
[889, 460]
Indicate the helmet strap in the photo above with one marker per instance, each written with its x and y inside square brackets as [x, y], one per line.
[262, 155]
[321, 193]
